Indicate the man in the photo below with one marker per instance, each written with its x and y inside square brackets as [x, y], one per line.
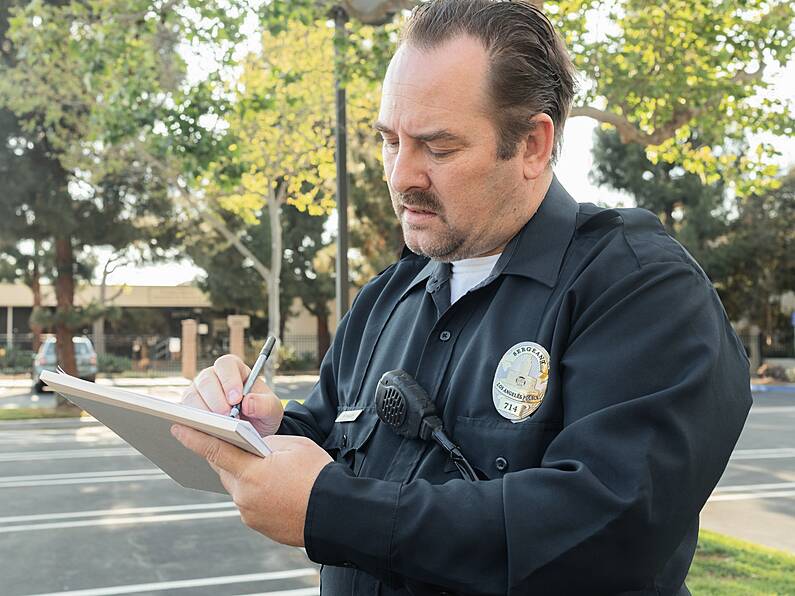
[578, 356]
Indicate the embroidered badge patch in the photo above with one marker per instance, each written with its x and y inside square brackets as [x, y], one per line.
[520, 381]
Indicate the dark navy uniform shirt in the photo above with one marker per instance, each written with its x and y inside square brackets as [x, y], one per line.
[599, 490]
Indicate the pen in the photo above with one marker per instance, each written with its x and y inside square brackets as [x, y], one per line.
[256, 370]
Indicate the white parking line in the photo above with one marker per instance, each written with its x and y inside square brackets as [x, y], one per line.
[778, 453]
[119, 511]
[753, 495]
[298, 592]
[747, 492]
[194, 583]
[118, 521]
[736, 488]
[20, 456]
[772, 410]
[82, 478]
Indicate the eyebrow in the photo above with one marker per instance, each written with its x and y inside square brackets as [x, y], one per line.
[437, 135]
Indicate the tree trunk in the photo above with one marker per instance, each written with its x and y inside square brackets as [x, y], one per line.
[323, 337]
[35, 288]
[64, 296]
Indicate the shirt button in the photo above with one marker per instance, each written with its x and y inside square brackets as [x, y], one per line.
[501, 463]
[445, 335]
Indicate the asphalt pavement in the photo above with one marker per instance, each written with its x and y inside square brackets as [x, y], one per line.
[755, 498]
[81, 513]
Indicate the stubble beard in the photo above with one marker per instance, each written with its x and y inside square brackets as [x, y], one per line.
[446, 245]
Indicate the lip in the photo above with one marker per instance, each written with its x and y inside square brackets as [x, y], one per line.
[414, 216]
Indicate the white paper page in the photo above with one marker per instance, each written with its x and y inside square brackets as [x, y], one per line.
[145, 422]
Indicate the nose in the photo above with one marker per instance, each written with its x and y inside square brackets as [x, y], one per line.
[406, 170]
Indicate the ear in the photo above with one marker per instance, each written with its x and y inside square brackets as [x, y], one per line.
[537, 146]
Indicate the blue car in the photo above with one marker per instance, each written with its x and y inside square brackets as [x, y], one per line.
[45, 359]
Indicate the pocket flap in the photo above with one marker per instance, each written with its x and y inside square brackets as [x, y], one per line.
[496, 448]
[351, 436]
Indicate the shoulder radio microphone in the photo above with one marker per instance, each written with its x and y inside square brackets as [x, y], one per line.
[404, 406]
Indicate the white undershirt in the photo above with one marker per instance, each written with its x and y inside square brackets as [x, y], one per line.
[467, 273]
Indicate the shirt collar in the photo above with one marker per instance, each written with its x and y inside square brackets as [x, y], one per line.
[538, 249]
[536, 252]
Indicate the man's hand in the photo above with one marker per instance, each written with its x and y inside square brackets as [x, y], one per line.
[272, 493]
[219, 387]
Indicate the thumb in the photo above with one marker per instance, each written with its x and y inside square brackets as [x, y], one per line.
[217, 452]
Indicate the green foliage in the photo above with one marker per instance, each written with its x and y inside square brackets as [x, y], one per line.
[756, 265]
[726, 566]
[668, 69]
[745, 245]
[14, 360]
[109, 363]
[291, 361]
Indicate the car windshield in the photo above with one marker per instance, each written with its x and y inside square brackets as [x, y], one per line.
[82, 349]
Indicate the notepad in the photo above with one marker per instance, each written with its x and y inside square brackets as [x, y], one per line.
[144, 422]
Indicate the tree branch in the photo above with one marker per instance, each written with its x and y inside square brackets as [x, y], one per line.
[214, 220]
[629, 132]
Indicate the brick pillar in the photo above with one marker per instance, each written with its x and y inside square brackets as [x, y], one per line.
[189, 347]
[237, 332]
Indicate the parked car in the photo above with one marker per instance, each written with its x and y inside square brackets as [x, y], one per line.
[45, 359]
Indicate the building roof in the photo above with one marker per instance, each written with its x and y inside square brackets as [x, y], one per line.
[19, 295]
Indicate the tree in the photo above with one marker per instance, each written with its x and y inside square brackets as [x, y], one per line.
[99, 97]
[757, 267]
[693, 212]
[280, 153]
[745, 245]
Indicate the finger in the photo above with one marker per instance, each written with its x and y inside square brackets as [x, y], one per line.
[191, 398]
[263, 405]
[209, 389]
[231, 372]
[218, 453]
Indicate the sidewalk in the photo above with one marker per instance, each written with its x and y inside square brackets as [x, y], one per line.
[26, 383]
[764, 385]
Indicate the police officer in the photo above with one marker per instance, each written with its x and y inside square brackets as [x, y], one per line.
[578, 356]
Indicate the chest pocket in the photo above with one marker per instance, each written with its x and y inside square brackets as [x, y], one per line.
[495, 448]
[347, 440]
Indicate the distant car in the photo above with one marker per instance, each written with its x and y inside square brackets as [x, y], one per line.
[45, 359]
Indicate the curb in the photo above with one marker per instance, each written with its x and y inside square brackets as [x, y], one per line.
[790, 388]
[48, 423]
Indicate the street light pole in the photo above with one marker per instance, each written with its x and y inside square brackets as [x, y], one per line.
[340, 18]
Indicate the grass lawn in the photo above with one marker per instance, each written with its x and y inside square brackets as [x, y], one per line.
[729, 567]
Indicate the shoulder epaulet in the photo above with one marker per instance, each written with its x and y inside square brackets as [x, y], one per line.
[637, 219]
[592, 218]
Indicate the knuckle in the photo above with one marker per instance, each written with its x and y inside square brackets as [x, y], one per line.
[225, 361]
[212, 452]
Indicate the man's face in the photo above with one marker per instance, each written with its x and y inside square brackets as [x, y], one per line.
[453, 197]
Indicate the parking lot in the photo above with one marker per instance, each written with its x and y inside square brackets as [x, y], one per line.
[81, 513]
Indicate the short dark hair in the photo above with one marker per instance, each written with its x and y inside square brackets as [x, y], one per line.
[530, 70]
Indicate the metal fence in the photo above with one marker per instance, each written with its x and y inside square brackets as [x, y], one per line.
[159, 356]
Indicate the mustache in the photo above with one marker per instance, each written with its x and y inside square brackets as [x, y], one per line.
[421, 201]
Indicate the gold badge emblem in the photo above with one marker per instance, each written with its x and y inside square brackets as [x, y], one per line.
[520, 381]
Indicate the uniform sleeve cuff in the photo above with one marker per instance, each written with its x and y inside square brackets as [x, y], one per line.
[350, 521]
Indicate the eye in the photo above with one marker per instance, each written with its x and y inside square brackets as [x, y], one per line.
[439, 154]
[391, 145]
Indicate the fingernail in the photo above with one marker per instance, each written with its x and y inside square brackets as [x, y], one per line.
[175, 431]
[233, 396]
[248, 407]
